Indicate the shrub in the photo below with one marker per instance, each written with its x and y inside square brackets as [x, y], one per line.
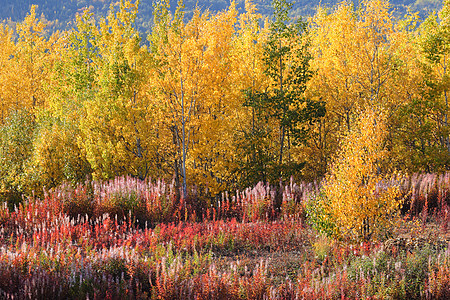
[16, 147]
[319, 216]
[357, 197]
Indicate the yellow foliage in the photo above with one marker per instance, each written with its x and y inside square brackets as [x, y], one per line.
[117, 132]
[104, 104]
[200, 69]
[362, 57]
[359, 198]
[7, 49]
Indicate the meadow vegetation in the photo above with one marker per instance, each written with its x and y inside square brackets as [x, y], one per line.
[129, 239]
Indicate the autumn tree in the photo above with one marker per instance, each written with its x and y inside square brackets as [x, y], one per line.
[197, 88]
[359, 196]
[34, 56]
[26, 71]
[27, 58]
[216, 153]
[58, 156]
[117, 130]
[362, 58]
[253, 136]
[354, 57]
[7, 78]
[98, 114]
[431, 109]
[176, 59]
[418, 130]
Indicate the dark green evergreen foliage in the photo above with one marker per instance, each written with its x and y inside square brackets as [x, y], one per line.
[287, 101]
[255, 144]
[287, 64]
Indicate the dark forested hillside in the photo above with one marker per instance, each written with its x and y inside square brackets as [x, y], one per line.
[61, 13]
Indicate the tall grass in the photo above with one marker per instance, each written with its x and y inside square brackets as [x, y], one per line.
[428, 195]
[157, 202]
[132, 239]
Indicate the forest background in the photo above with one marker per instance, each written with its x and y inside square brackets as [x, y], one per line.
[222, 100]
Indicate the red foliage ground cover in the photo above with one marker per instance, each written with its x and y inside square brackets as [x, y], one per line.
[128, 239]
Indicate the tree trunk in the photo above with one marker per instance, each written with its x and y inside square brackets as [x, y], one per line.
[183, 124]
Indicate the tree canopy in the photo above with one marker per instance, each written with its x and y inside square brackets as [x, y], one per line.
[221, 100]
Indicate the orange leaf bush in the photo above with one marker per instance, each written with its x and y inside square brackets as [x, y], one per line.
[360, 200]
